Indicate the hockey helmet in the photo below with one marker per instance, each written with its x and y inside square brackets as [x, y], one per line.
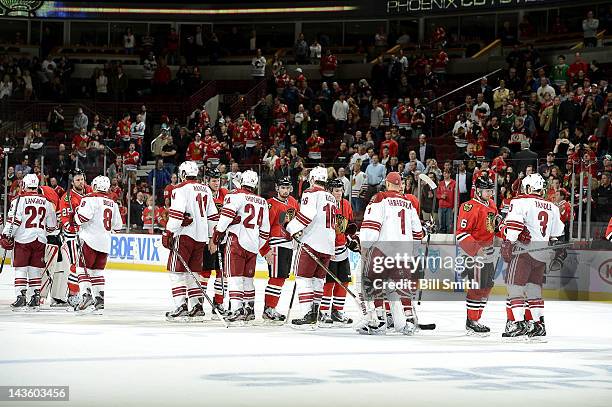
[318, 174]
[334, 183]
[249, 179]
[484, 182]
[533, 183]
[188, 169]
[213, 173]
[283, 182]
[78, 171]
[30, 181]
[101, 183]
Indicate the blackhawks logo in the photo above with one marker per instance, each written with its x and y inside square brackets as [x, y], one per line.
[490, 222]
[219, 205]
[341, 223]
[285, 217]
[467, 207]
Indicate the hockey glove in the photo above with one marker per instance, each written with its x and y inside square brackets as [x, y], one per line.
[54, 240]
[167, 239]
[217, 237]
[506, 250]
[524, 237]
[187, 220]
[7, 243]
[352, 243]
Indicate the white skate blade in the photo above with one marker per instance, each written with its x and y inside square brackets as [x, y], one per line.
[305, 327]
[87, 311]
[19, 309]
[31, 310]
[469, 332]
[537, 339]
[177, 319]
[515, 339]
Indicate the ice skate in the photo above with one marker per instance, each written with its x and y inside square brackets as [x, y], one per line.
[196, 314]
[390, 324]
[221, 310]
[87, 303]
[20, 303]
[325, 320]
[179, 314]
[249, 313]
[57, 303]
[99, 304]
[72, 301]
[409, 329]
[369, 327]
[34, 304]
[271, 315]
[475, 328]
[537, 333]
[309, 320]
[237, 317]
[340, 317]
[516, 331]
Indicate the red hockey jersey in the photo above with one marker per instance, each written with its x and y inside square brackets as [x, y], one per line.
[277, 210]
[476, 225]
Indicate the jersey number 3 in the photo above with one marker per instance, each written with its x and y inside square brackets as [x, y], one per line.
[543, 218]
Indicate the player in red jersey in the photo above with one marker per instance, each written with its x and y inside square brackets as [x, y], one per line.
[211, 260]
[65, 290]
[334, 294]
[475, 233]
[278, 250]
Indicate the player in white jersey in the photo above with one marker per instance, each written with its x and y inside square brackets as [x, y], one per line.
[97, 216]
[531, 215]
[245, 218]
[389, 222]
[191, 219]
[30, 217]
[316, 222]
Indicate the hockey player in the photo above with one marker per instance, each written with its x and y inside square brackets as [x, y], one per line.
[539, 219]
[316, 222]
[334, 294]
[211, 260]
[191, 219]
[52, 250]
[389, 217]
[245, 218]
[475, 233]
[278, 251]
[65, 288]
[97, 216]
[30, 217]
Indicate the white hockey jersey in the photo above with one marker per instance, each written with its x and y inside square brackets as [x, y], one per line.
[246, 216]
[31, 217]
[541, 218]
[317, 220]
[390, 217]
[191, 197]
[97, 216]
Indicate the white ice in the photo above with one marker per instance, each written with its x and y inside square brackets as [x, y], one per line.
[132, 356]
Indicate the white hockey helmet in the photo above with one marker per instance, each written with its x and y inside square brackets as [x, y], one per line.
[249, 179]
[188, 169]
[532, 183]
[318, 174]
[101, 184]
[30, 181]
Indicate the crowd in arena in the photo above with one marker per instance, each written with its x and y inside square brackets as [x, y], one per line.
[532, 117]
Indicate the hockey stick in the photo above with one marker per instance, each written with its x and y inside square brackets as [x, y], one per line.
[10, 229]
[291, 301]
[46, 287]
[539, 249]
[184, 263]
[221, 269]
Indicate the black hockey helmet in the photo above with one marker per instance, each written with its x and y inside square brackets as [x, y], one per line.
[212, 173]
[335, 183]
[77, 171]
[283, 182]
[484, 182]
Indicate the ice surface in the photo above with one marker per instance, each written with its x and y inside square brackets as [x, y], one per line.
[132, 356]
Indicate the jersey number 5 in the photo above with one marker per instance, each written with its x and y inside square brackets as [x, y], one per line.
[248, 221]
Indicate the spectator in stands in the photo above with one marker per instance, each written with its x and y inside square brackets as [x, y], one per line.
[23, 168]
[481, 106]
[6, 87]
[315, 52]
[500, 95]
[80, 121]
[559, 73]
[345, 181]
[161, 78]
[375, 173]
[590, 26]
[129, 41]
[545, 89]
[119, 84]
[380, 40]
[508, 34]
[137, 131]
[149, 66]
[412, 157]
[300, 49]
[329, 64]
[161, 176]
[446, 201]
[558, 27]
[115, 170]
[340, 113]
[172, 46]
[358, 187]
[169, 154]
[101, 84]
[550, 120]
[258, 66]
[55, 120]
[525, 157]
[426, 151]
[376, 120]
[137, 208]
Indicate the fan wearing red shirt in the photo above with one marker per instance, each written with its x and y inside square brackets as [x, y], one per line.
[80, 142]
[123, 131]
[440, 62]
[168, 190]
[278, 130]
[404, 114]
[280, 111]
[578, 65]
[314, 143]
[213, 149]
[390, 144]
[131, 158]
[196, 149]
